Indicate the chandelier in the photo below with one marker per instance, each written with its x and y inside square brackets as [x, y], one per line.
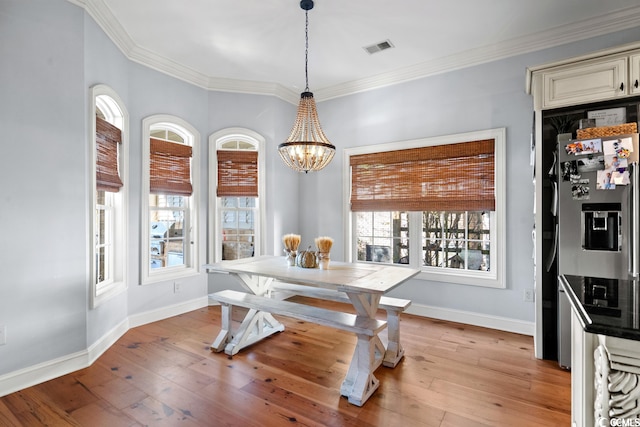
[307, 148]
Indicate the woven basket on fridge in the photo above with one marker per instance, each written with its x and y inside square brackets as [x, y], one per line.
[598, 132]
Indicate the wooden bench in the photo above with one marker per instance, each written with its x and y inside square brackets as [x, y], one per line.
[259, 323]
[335, 319]
[393, 306]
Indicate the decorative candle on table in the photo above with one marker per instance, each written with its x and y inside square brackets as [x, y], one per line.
[291, 242]
[324, 247]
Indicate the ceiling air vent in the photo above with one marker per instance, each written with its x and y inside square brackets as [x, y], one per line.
[378, 47]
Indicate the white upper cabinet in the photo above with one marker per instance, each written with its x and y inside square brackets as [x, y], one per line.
[580, 83]
[634, 74]
[598, 76]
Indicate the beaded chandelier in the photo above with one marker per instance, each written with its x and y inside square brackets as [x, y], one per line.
[307, 148]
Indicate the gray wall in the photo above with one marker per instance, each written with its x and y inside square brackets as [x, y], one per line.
[53, 52]
[43, 249]
[487, 96]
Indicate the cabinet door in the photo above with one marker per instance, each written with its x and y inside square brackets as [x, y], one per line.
[634, 78]
[588, 82]
[583, 345]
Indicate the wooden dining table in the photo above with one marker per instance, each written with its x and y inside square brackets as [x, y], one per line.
[364, 283]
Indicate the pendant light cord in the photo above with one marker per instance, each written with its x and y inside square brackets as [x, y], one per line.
[306, 50]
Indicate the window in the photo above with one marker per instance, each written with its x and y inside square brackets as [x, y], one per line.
[460, 240]
[169, 189]
[237, 181]
[436, 204]
[109, 156]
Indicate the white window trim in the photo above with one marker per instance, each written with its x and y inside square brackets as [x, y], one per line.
[101, 293]
[498, 221]
[192, 264]
[216, 140]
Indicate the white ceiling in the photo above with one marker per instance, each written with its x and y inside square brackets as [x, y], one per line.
[257, 46]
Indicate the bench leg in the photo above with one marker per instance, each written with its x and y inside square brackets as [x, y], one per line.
[395, 351]
[360, 383]
[255, 326]
[224, 336]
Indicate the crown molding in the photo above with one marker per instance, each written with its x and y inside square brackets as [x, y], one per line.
[103, 16]
[253, 88]
[189, 75]
[604, 24]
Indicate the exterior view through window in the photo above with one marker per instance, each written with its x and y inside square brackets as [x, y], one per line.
[167, 237]
[449, 239]
[238, 227]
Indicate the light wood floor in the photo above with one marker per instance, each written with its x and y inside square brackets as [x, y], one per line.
[163, 374]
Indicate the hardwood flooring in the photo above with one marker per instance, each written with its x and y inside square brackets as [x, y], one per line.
[163, 374]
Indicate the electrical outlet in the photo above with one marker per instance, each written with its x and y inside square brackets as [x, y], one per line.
[529, 295]
[176, 287]
[3, 334]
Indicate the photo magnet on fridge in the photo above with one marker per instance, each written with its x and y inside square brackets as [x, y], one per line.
[605, 181]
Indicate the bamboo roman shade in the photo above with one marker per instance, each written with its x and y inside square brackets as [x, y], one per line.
[450, 177]
[237, 173]
[107, 139]
[170, 168]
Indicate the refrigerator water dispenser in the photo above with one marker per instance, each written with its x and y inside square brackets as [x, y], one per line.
[602, 227]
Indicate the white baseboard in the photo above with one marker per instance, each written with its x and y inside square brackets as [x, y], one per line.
[476, 319]
[107, 340]
[32, 375]
[27, 377]
[168, 311]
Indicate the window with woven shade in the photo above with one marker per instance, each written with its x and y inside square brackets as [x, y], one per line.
[436, 204]
[237, 182]
[170, 182]
[109, 154]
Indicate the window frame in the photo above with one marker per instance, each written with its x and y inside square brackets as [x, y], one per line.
[495, 278]
[216, 140]
[191, 255]
[105, 99]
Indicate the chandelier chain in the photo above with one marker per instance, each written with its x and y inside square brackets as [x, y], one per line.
[306, 50]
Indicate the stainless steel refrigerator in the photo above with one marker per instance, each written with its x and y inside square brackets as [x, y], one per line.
[597, 214]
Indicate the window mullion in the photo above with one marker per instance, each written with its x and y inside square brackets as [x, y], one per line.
[415, 239]
[465, 247]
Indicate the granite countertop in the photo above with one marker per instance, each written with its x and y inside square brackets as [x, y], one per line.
[605, 306]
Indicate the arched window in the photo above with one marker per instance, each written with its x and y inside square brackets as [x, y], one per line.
[108, 140]
[236, 171]
[169, 195]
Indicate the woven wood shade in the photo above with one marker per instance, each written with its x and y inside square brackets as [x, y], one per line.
[237, 173]
[107, 139]
[451, 177]
[170, 168]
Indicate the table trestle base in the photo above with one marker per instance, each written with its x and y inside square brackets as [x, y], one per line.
[360, 383]
[393, 307]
